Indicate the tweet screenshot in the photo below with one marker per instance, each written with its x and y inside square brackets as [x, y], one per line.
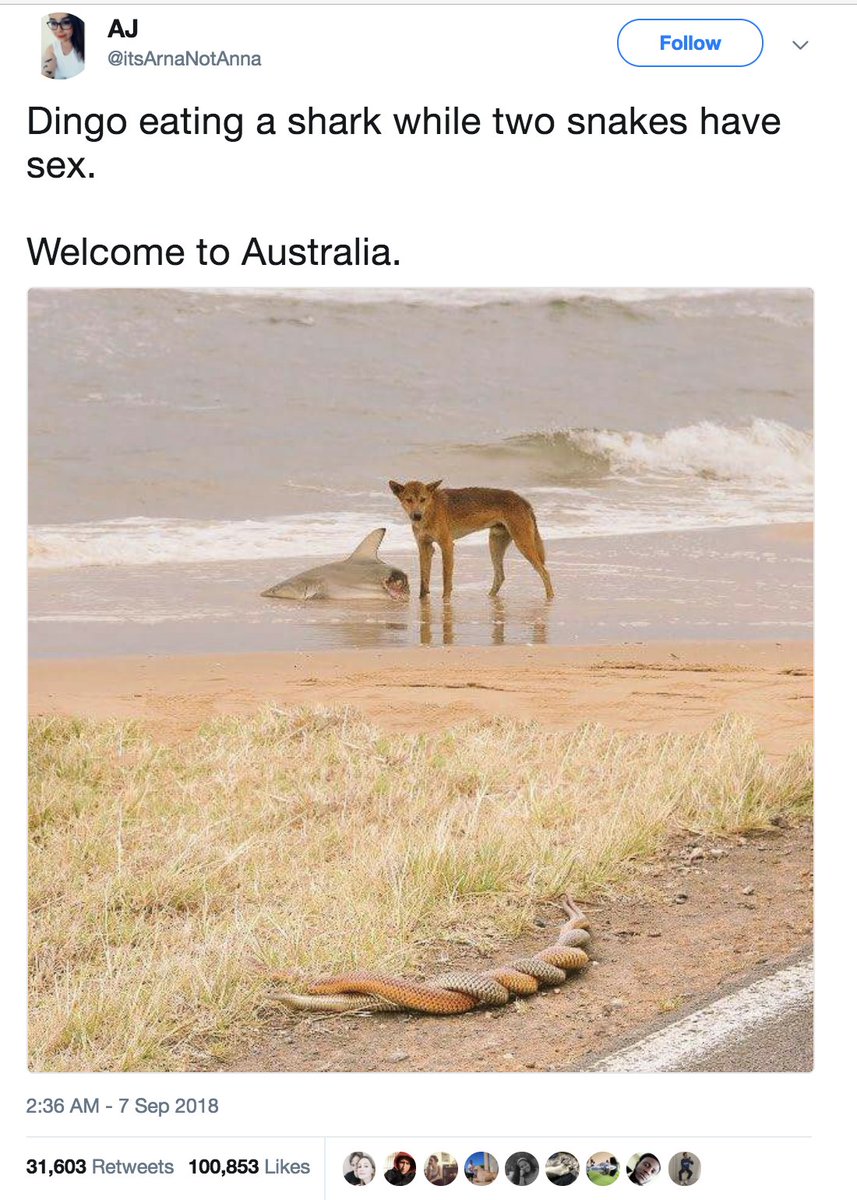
[412, 412]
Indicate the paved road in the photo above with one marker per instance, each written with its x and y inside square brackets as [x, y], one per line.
[763, 1024]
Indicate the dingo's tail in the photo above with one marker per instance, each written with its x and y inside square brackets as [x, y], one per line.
[537, 537]
[539, 543]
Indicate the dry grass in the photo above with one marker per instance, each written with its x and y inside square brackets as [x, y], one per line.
[310, 841]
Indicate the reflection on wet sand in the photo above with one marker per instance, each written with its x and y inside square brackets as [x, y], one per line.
[428, 612]
[343, 628]
[536, 616]
[438, 623]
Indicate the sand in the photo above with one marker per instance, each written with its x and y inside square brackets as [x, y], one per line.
[655, 687]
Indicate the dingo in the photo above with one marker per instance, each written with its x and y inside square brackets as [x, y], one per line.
[443, 514]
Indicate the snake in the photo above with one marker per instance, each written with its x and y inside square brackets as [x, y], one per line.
[455, 991]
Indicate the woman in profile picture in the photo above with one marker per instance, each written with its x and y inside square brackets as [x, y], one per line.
[521, 1169]
[63, 55]
[432, 1170]
[364, 1171]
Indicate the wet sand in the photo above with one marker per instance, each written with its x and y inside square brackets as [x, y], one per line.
[747, 583]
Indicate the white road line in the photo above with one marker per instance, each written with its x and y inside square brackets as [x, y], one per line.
[679, 1045]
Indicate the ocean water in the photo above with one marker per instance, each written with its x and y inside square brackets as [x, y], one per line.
[188, 448]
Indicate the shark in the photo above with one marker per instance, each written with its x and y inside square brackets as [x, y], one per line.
[363, 575]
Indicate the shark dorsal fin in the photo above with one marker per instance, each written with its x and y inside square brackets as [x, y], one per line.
[368, 548]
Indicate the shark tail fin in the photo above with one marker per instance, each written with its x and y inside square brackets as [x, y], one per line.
[368, 548]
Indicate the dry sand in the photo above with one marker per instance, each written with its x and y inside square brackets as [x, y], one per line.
[654, 687]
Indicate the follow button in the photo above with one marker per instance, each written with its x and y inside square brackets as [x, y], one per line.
[695, 42]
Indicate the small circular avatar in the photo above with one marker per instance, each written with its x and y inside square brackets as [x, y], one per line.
[602, 1168]
[440, 1169]
[401, 1169]
[481, 1168]
[642, 1168]
[358, 1169]
[685, 1168]
[521, 1168]
[562, 1168]
[63, 54]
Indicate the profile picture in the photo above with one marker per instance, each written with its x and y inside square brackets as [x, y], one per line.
[521, 1168]
[602, 1168]
[562, 1168]
[401, 1169]
[642, 1168]
[685, 1168]
[358, 1168]
[481, 1168]
[62, 46]
[440, 1169]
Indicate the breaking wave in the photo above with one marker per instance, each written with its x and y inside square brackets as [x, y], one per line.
[763, 451]
[781, 306]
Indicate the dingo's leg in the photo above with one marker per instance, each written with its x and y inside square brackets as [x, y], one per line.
[526, 537]
[448, 555]
[426, 555]
[499, 540]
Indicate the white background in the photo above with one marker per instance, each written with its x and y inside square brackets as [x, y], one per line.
[483, 211]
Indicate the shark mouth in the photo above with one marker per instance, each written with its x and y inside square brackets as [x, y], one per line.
[397, 587]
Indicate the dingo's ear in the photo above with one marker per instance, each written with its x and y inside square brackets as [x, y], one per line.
[396, 488]
[432, 487]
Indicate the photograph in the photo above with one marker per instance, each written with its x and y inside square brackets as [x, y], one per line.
[642, 1168]
[401, 1169]
[358, 1169]
[63, 54]
[481, 1168]
[562, 1168]
[404, 655]
[602, 1168]
[522, 1168]
[440, 1169]
[685, 1168]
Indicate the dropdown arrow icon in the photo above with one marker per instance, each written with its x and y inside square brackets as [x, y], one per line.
[800, 45]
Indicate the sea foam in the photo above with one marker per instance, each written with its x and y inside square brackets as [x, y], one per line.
[583, 483]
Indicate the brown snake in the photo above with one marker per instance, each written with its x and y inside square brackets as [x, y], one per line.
[458, 991]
